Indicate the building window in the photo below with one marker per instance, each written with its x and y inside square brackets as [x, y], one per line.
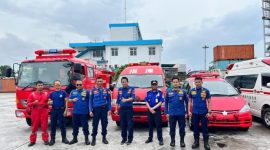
[114, 51]
[97, 53]
[133, 51]
[152, 50]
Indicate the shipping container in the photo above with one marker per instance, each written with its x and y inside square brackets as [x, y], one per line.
[233, 52]
[222, 64]
[7, 85]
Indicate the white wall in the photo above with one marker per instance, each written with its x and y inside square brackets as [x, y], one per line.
[123, 33]
[125, 58]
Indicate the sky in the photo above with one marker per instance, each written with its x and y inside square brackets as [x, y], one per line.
[184, 25]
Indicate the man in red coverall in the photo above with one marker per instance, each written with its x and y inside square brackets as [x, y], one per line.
[38, 102]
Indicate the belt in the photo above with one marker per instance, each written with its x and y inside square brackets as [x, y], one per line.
[102, 106]
[59, 107]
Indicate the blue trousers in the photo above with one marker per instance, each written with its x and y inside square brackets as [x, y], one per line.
[100, 113]
[78, 119]
[180, 119]
[57, 115]
[126, 122]
[155, 119]
[196, 119]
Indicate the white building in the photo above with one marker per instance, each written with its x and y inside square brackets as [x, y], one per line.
[126, 46]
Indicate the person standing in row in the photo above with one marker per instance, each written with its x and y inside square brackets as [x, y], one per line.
[176, 106]
[59, 101]
[126, 95]
[154, 100]
[80, 99]
[100, 108]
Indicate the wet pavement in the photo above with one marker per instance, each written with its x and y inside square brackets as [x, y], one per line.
[14, 134]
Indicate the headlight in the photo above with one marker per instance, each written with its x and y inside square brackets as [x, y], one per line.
[245, 109]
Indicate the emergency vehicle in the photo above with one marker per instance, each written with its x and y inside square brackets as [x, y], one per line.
[140, 76]
[229, 108]
[252, 78]
[50, 65]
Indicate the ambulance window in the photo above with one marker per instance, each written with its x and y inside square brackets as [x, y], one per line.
[90, 72]
[243, 81]
[265, 79]
[248, 81]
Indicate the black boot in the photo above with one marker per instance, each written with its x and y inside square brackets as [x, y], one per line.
[182, 142]
[86, 141]
[123, 141]
[73, 141]
[52, 141]
[149, 140]
[172, 142]
[93, 143]
[196, 144]
[31, 144]
[104, 140]
[206, 145]
[65, 140]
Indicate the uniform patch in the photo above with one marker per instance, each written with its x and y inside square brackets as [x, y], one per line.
[61, 96]
[120, 92]
[180, 98]
[193, 92]
[203, 95]
[95, 92]
[156, 100]
[75, 92]
[180, 92]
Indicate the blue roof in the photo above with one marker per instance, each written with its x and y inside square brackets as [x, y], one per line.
[117, 43]
[123, 25]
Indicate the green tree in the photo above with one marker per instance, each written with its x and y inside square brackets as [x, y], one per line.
[3, 69]
[118, 71]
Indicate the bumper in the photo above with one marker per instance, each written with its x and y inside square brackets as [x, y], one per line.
[241, 120]
[22, 113]
[139, 114]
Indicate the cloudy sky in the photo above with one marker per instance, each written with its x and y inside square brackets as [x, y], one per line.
[184, 25]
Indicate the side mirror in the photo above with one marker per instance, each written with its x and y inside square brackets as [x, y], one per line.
[238, 90]
[268, 85]
[8, 72]
[77, 68]
[112, 86]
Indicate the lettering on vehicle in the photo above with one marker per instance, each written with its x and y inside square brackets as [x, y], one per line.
[133, 71]
[149, 70]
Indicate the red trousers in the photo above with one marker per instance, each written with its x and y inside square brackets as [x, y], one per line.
[39, 117]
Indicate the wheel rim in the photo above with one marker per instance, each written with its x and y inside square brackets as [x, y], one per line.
[267, 118]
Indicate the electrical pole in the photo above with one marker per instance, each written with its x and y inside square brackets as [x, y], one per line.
[125, 11]
[205, 47]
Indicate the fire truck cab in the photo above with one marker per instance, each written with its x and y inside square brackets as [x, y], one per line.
[50, 65]
[140, 76]
[229, 108]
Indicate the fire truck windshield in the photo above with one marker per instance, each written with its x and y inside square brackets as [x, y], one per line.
[47, 72]
[141, 81]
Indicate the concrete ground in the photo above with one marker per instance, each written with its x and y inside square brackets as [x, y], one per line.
[14, 134]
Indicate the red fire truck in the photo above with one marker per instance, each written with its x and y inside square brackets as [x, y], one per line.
[139, 76]
[55, 64]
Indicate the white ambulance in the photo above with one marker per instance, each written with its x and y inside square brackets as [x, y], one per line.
[252, 78]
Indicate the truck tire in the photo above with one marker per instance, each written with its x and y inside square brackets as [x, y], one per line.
[117, 123]
[28, 121]
[266, 117]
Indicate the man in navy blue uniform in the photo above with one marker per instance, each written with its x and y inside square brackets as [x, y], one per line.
[100, 108]
[154, 100]
[58, 99]
[200, 100]
[176, 106]
[126, 95]
[80, 99]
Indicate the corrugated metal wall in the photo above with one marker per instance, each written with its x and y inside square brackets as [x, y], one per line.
[7, 85]
[233, 52]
